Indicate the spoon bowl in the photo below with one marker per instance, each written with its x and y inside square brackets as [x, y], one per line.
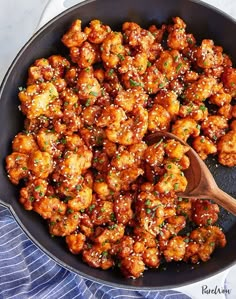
[201, 183]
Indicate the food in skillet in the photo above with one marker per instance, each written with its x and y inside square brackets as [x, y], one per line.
[83, 159]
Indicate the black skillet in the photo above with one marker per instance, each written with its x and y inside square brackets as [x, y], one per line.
[204, 22]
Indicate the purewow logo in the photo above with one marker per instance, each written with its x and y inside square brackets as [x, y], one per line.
[215, 290]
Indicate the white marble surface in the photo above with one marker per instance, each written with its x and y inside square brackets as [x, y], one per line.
[18, 20]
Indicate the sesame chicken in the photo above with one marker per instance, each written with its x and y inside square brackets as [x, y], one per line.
[175, 250]
[101, 212]
[88, 86]
[138, 63]
[41, 70]
[202, 243]
[84, 56]
[151, 258]
[121, 180]
[24, 143]
[128, 99]
[138, 151]
[154, 154]
[174, 224]
[111, 117]
[184, 207]
[112, 49]
[75, 242]
[49, 206]
[158, 119]
[185, 127]
[227, 149]
[92, 135]
[137, 37]
[132, 266]
[74, 36]
[96, 31]
[175, 150]
[102, 189]
[123, 159]
[83, 162]
[177, 38]
[172, 180]
[200, 90]
[48, 142]
[228, 111]
[214, 126]
[97, 256]
[229, 80]
[86, 225]
[132, 130]
[204, 146]
[221, 98]
[82, 199]
[153, 80]
[61, 225]
[172, 64]
[168, 100]
[100, 161]
[40, 99]
[75, 163]
[197, 112]
[204, 212]
[158, 33]
[123, 248]
[40, 164]
[123, 208]
[44, 70]
[90, 115]
[34, 190]
[208, 55]
[150, 212]
[111, 234]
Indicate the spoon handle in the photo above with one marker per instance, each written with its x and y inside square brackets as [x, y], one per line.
[224, 200]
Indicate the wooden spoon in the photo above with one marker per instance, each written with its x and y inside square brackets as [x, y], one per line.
[201, 183]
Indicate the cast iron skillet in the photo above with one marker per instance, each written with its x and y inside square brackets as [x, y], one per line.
[204, 22]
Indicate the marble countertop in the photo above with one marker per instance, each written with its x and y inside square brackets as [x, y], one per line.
[19, 20]
[16, 27]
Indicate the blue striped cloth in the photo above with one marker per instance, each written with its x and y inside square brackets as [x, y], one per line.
[26, 272]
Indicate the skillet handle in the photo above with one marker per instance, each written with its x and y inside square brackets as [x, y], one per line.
[4, 204]
[54, 8]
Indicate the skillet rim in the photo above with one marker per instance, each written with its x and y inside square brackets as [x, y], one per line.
[14, 213]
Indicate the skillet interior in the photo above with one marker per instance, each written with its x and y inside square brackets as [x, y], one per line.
[203, 22]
